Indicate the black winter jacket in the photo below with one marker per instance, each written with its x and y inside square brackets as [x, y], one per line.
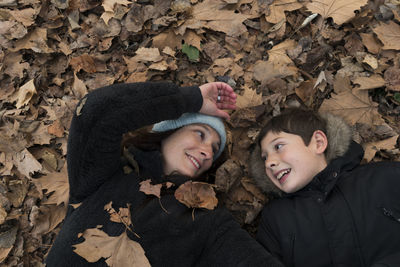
[96, 178]
[349, 215]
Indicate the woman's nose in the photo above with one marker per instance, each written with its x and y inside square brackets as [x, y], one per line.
[207, 151]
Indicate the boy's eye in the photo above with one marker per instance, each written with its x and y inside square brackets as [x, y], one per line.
[264, 158]
[278, 146]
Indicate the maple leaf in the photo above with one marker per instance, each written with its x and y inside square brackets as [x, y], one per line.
[374, 81]
[196, 195]
[278, 8]
[118, 250]
[354, 106]
[249, 98]
[339, 10]
[150, 189]
[56, 182]
[373, 147]
[389, 34]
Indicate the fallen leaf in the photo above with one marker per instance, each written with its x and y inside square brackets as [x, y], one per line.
[373, 147]
[26, 163]
[278, 8]
[46, 218]
[249, 98]
[147, 55]
[56, 128]
[85, 62]
[389, 34]
[196, 195]
[392, 78]
[118, 250]
[78, 87]
[340, 11]
[374, 81]
[57, 184]
[122, 216]
[149, 189]
[370, 42]
[25, 93]
[354, 106]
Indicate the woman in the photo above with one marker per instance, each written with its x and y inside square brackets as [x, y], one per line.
[188, 146]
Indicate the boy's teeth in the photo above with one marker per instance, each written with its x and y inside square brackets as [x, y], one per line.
[281, 174]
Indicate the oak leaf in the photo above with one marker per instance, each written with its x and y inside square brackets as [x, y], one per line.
[389, 34]
[25, 93]
[149, 189]
[196, 195]
[339, 10]
[118, 250]
[122, 216]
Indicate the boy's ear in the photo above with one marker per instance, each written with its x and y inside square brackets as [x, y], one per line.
[320, 140]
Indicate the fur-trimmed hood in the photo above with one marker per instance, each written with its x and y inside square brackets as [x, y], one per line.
[339, 136]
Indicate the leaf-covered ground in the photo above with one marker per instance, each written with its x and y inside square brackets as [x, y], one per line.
[332, 55]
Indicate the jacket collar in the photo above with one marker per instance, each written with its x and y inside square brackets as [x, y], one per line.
[327, 178]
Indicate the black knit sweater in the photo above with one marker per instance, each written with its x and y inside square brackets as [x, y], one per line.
[96, 178]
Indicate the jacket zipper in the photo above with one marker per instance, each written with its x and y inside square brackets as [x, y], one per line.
[389, 213]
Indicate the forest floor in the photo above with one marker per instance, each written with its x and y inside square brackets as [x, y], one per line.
[331, 55]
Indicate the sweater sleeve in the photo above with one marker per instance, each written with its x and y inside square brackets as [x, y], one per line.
[389, 261]
[233, 246]
[105, 114]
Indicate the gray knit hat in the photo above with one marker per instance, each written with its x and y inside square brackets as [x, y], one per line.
[191, 118]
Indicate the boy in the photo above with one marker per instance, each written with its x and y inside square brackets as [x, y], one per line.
[332, 210]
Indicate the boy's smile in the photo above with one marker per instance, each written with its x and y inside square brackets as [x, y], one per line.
[289, 163]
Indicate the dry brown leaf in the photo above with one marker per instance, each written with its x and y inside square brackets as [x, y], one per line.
[84, 62]
[118, 251]
[46, 218]
[389, 34]
[211, 14]
[339, 10]
[56, 128]
[374, 81]
[25, 16]
[78, 87]
[370, 42]
[13, 66]
[149, 189]
[354, 106]
[250, 98]
[122, 216]
[278, 8]
[147, 55]
[196, 195]
[392, 78]
[56, 182]
[25, 93]
[8, 236]
[26, 163]
[373, 147]
[35, 40]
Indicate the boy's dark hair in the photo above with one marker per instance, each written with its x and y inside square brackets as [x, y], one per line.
[298, 121]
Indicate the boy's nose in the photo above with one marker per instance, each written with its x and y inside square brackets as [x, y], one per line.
[271, 162]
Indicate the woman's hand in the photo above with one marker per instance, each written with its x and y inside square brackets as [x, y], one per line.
[216, 97]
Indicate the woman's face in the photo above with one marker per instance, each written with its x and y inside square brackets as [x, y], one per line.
[190, 150]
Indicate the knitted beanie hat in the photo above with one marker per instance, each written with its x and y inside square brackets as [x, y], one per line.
[191, 118]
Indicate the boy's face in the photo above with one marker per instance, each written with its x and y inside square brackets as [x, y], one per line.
[289, 163]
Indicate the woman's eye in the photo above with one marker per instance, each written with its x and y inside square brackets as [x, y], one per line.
[200, 133]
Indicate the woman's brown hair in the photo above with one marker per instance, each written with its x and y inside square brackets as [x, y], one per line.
[145, 139]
